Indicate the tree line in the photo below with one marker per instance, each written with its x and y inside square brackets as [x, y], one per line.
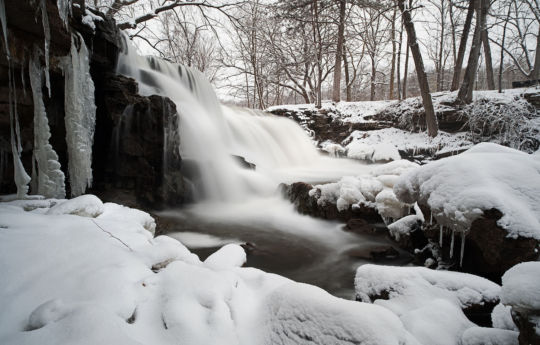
[267, 52]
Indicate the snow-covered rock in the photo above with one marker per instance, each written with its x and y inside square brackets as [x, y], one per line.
[458, 189]
[521, 291]
[428, 302]
[489, 336]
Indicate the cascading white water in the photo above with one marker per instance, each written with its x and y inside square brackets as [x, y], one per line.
[211, 134]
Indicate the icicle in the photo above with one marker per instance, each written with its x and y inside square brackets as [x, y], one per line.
[452, 245]
[3, 21]
[47, 33]
[64, 10]
[462, 249]
[23, 81]
[430, 218]
[80, 117]
[50, 179]
[440, 236]
[20, 176]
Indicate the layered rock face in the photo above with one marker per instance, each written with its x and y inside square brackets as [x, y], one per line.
[135, 153]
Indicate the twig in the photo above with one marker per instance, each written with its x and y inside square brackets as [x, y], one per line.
[116, 238]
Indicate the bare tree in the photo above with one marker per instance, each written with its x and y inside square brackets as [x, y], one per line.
[463, 45]
[465, 93]
[431, 120]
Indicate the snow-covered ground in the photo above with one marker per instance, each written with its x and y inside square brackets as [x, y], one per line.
[84, 272]
[354, 112]
[504, 118]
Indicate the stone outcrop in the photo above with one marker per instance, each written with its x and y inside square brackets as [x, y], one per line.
[489, 252]
[324, 127]
[298, 194]
[138, 164]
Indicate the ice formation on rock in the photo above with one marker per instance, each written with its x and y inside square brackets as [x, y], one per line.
[47, 34]
[21, 177]
[80, 116]
[64, 10]
[50, 179]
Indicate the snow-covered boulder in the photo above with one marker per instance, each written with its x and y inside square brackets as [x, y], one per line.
[521, 291]
[491, 195]
[431, 304]
[489, 336]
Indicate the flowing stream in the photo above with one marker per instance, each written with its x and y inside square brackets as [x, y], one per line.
[236, 204]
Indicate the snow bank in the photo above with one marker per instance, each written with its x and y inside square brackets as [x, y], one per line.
[68, 279]
[229, 256]
[85, 206]
[376, 153]
[489, 336]
[112, 211]
[521, 286]
[428, 302]
[458, 189]
[354, 112]
[410, 141]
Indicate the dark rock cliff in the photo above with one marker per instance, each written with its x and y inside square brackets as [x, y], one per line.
[139, 164]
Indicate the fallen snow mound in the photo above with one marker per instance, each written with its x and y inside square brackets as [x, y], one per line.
[458, 189]
[521, 286]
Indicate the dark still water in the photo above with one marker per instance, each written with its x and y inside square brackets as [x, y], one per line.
[281, 241]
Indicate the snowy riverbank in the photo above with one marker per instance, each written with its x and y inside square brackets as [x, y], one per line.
[84, 272]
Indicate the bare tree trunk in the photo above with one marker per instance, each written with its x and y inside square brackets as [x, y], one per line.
[339, 53]
[431, 120]
[317, 38]
[501, 63]
[440, 66]
[393, 63]
[399, 63]
[347, 76]
[465, 93]
[373, 79]
[462, 46]
[489, 63]
[406, 71]
[535, 74]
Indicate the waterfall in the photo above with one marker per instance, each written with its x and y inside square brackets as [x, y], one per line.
[211, 134]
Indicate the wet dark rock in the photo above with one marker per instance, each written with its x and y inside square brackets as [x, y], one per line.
[298, 194]
[142, 166]
[489, 252]
[324, 127]
[374, 253]
[244, 163]
[359, 226]
[525, 322]
[249, 247]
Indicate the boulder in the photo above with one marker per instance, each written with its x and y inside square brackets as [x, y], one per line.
[298, 194]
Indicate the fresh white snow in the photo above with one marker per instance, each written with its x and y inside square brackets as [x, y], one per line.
[428, 302]
[71, 279]
[458, 189]
[521, 286]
